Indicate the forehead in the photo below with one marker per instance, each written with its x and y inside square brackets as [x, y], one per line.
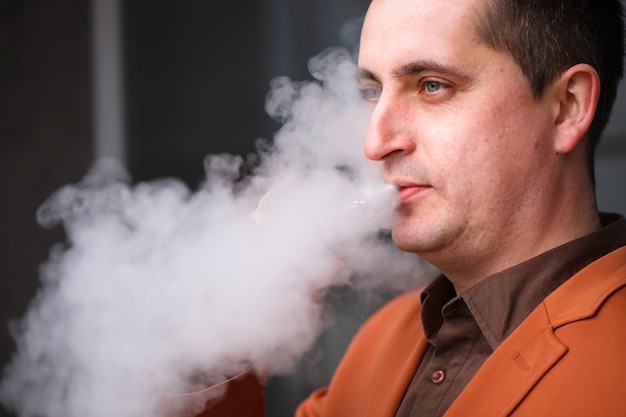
[396, 31]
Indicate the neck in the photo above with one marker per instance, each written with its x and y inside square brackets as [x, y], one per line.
[537, 234]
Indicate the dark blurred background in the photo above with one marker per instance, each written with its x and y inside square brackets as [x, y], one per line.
[159, 85]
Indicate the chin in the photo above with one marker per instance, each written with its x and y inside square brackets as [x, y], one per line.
[406, 242]
[418, 237]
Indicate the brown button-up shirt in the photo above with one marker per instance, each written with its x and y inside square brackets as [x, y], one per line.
[464, 330]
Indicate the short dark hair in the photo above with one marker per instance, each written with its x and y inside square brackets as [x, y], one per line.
[545, 37]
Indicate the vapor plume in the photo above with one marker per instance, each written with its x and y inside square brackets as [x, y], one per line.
[159, 287]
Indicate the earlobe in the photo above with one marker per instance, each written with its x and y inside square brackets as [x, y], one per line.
[578, 92]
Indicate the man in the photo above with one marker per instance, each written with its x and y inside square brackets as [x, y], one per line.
[486, 114]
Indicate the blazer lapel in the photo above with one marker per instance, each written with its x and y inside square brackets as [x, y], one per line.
[398, 373]
[532, 349]
[512, 370]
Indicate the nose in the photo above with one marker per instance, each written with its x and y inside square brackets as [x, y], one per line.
[390, 132]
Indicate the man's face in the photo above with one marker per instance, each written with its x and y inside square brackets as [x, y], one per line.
[457, 128]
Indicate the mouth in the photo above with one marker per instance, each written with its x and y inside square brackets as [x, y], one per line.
[408, 193]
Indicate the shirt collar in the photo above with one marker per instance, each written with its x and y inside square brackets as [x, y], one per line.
[500, 302]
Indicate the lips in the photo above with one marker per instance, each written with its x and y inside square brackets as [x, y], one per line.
[410, 192]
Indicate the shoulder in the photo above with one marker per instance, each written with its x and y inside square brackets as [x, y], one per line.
[592, 293]
[589, 379]
[588, 315]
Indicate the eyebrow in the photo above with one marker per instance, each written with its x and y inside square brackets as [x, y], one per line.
[363, 74]
[414, 68]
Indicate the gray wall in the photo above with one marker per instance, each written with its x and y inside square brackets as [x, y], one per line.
[45, 133]
[611, 160]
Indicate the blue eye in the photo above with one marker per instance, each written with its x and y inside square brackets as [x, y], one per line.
[433, 86]
[370, 93]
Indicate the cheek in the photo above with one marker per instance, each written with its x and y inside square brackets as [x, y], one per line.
[485, 142]
[461, 149]
[510, 130]
[476, 160]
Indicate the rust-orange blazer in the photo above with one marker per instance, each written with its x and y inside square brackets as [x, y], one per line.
[568, 358]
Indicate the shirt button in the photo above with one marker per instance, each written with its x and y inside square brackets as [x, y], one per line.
[438, 377]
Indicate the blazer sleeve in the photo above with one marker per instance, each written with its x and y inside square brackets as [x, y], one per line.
[312, 407]
[241, 395]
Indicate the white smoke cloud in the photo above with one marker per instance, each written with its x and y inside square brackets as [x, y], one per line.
[158, 286]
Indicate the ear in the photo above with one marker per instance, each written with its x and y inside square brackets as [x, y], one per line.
[578, 91]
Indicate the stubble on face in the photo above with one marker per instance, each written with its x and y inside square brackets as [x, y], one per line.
[470, 144]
